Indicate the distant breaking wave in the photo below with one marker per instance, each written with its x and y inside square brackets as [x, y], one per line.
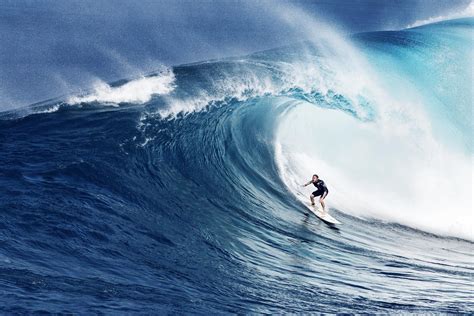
[467, 12]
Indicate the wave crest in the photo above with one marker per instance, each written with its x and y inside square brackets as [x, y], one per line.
[138, 91]
[467, 12]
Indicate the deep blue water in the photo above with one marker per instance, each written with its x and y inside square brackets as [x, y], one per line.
[185, 202]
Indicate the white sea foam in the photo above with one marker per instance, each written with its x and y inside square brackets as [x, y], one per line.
[309, 74]
[379, 169]
[230, 86]
[49, 109]
[137, 91]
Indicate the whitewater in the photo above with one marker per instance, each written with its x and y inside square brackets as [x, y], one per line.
[180, 191]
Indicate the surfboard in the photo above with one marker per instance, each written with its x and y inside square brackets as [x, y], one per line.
[324, 216]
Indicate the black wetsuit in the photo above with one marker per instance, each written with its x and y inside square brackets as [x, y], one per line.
[321, 188]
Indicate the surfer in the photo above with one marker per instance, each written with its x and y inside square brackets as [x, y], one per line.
[322, 190]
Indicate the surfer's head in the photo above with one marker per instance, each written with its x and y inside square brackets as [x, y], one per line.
[315, 177]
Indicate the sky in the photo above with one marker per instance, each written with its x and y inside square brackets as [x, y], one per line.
[52, 48]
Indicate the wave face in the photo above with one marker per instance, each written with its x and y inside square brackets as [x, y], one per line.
[185, 196]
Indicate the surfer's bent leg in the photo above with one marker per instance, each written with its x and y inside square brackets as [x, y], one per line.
[321, 199]
[315, 194]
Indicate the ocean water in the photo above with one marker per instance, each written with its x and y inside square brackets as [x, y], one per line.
[180, 191]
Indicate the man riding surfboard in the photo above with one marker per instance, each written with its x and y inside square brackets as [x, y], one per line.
[321, 191]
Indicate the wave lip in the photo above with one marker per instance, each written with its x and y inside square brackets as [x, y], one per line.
[138, 91]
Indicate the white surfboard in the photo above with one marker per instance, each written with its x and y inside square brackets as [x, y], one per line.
[324, 216]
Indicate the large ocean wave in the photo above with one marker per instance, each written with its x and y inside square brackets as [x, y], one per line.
[188, 188]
